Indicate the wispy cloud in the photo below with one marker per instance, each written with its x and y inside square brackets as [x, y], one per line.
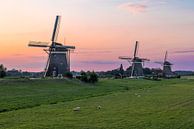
[133, 8]
[140, 6]
[17, 55]
[93, 52]
[99, 62]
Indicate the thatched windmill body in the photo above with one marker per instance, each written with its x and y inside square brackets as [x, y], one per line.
[58, 62]
[136, 63]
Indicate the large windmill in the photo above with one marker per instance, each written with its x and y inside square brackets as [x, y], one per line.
[136, 63]
[58, 62]
[167, 66]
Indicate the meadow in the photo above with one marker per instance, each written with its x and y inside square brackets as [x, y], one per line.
[125, 104]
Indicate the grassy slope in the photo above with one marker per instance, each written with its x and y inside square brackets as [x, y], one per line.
[125, 104]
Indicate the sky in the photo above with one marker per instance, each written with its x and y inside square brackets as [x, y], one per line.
[101, 30]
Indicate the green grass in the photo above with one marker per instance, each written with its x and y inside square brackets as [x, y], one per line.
[188, 77]
[126, 104]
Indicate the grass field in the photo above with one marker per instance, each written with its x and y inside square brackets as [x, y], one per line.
[125, 104]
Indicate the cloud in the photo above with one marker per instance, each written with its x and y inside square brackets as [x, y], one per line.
[133, 8]
[141, 5]
[93, 52]
[17, 55]
[99, 62]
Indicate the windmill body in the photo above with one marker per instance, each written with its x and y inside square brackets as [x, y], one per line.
[137, 68]
[136, 63]
[167, 67]
[58, 62]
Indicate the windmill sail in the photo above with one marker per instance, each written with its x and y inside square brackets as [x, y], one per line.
[38, 44]
[56, 30]
[186, 51]
[166, 56]
[47, 64]
[136, 49]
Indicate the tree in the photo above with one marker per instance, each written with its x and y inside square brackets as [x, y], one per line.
[121, 71]
[2, 71]
[128, 71]
[147, 71]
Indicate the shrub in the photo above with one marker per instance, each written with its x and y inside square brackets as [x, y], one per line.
[84, 77]
[89, 77]
[69, 75]
[93, 77]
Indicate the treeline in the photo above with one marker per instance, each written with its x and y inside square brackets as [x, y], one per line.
[121, 73]
[87, 77]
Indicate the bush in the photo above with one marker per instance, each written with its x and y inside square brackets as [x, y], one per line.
[93, 77]
[2, 71]
[89, 77]
[69, 75]
[84, 77]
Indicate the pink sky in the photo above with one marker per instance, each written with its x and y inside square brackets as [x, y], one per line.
[101, 31]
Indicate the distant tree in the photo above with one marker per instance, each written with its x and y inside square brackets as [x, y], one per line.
[128, 71]
[2, 71]
[121, 71]
[147, 71]
[116, 73]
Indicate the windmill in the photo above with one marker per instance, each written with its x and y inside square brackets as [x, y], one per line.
[58, 62]
[136, 63]
[167, 66]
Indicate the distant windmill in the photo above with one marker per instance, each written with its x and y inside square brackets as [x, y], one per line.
[167, 66]
[58, 54]
[137, 63]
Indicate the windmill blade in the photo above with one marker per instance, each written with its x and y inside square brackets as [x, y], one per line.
[47, 64]
[159, 62]
[166, 56]
[125, 58]
[168, 64]
[137, 62]
[67, 47]
[56, 29]
[187, 51]
[144, 59]
[136, 49]
[68, 60]
[38, 44]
